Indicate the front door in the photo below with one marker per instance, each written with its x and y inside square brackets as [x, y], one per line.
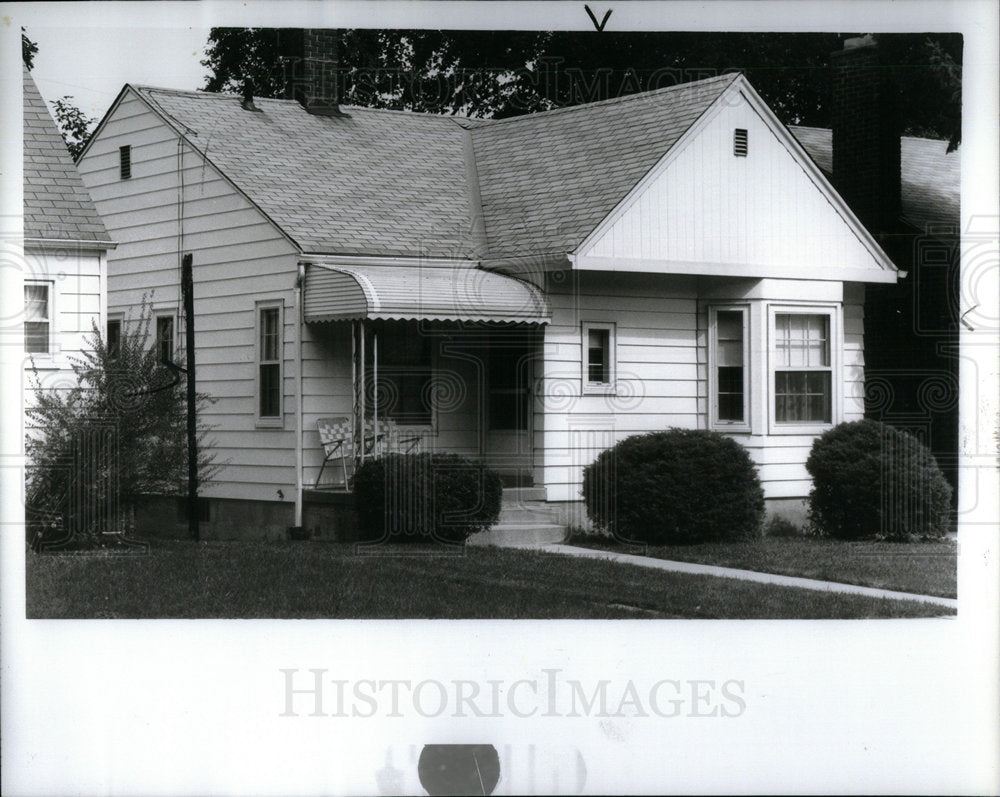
[509, 369]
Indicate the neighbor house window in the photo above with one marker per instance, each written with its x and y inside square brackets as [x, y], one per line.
[728, 358]
[404, 374]
[164, 338]
[598, 357]
[269, 346]
[37, 318]
[802, 367]
[114, 338]
[125, 161]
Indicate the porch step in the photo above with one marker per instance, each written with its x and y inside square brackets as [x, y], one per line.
[518, 534]
[519, 495]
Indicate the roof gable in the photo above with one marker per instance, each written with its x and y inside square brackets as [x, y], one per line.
[548, 179]
[57, 206]
[768, 211]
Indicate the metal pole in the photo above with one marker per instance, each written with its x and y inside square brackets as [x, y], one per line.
[187, 288]
[375, 449]
[363, 375]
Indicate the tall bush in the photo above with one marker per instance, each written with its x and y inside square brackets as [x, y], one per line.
[119, 433]
[675, 486]
[873, 480]
[425, 497]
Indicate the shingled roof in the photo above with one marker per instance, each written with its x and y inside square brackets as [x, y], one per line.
[930, 189]
[399, 183]
[56, 204]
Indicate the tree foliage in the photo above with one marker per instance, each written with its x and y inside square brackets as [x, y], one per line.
[119, 433]
[73, 123]
[28, 50]
[506, 73]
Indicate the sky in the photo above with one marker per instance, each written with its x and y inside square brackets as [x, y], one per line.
[91, 64]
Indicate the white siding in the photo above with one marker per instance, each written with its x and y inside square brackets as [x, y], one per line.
[239, 259]
[73, 276]
[661, 324]
[709, 206]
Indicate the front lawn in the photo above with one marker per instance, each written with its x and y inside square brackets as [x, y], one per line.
[926, 568]
[326, 580]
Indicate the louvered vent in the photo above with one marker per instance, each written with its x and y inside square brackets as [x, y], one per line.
[740, 142]
[125, 161]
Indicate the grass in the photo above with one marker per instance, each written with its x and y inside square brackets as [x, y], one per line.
[926, 568]
[327, 580]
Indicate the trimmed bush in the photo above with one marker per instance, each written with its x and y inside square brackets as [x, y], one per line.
[676, 486]
[779, 526]
[425, 497]
[873, 480]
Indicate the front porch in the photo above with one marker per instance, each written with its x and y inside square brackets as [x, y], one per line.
[419, 359]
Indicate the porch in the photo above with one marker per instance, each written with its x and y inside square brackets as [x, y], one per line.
[419, 359]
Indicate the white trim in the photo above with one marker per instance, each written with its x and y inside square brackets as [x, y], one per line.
[713, 403]
[269, 421]
[54, 244]
[834, 312]
[721, 269]
[588, 388]
[332, 260]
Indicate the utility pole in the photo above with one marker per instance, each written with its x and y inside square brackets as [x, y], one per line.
[187, 289]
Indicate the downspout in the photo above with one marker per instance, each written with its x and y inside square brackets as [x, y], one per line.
[299, 283]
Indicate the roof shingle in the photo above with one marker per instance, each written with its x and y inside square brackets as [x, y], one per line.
[57, 206]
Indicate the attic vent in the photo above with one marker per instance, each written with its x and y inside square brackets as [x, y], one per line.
[125, 161]
[740, 142]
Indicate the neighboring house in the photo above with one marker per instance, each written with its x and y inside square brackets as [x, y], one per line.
[906, 191]
[65, 252]
[526, 290]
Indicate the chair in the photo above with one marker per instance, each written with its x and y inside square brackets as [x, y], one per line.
[336, 437]
[388, 438]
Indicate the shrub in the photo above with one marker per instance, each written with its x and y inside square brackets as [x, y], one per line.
[779, 526]
[439, 497]
[871, 479]
[676, 486]
[118, 433]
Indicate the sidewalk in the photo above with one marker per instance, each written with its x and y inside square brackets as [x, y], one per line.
[743, 575]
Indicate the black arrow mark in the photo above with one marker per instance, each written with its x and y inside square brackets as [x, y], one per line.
[600, 27]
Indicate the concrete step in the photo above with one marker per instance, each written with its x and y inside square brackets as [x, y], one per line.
[526, 514]
[519, 534]
[521, 495]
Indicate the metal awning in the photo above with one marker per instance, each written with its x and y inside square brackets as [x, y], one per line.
[420, 293]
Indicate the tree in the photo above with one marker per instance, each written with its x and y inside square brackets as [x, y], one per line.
[73, 123]
[118, 434]
[28, 50]
[506, 73]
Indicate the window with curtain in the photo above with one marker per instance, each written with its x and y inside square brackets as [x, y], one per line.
[803, 375]
[37, 318]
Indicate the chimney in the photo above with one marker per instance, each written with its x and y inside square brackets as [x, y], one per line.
[310, 68]
[866, 168]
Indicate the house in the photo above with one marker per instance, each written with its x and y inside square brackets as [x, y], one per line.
[526, 290]
[906, 191]
[65, 252]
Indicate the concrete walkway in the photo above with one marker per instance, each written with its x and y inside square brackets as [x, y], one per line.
[744, 575]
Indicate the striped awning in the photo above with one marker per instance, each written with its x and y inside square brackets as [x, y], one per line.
[420, 293]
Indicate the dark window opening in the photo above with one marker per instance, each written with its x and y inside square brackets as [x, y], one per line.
[599, 356]
[114, 339]
[405, 387]
[125, 161]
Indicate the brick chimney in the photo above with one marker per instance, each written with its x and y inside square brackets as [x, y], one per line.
[310, 68]
[866, 134]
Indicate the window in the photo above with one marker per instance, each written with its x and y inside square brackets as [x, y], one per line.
[269, 363]
[113, 338]
[125, 161]
[728, 358]
[598, 357]
[404, 374]
[37, 318]
[802, 368]
[164, 338]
